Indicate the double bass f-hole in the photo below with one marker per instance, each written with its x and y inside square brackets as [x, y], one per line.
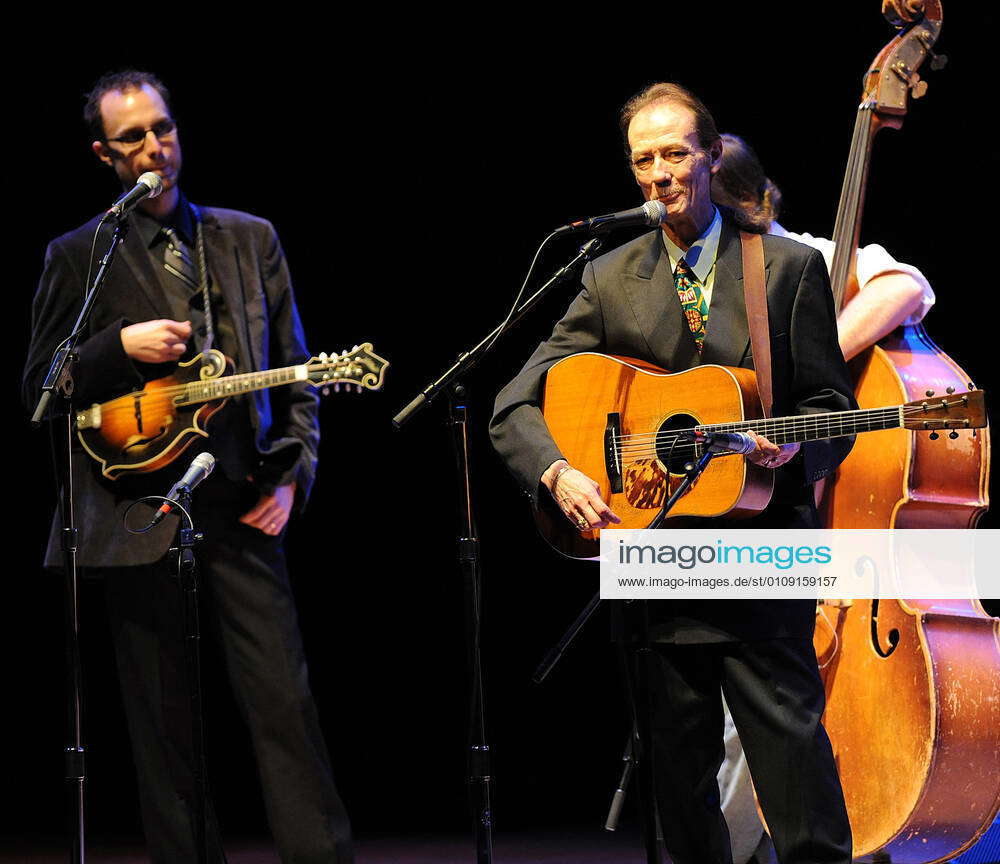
[860, 567]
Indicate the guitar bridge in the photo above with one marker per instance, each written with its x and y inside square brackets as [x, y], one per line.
[613, 451]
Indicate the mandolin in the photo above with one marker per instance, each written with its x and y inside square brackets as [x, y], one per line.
[149, 428]
[625, 423]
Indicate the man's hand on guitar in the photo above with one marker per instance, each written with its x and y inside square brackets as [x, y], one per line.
[272, 511]
[769, 455]
[578, 497]
[160, 341]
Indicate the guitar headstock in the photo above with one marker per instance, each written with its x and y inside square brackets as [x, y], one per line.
[948, 412]
[361, 367]
[894, 73]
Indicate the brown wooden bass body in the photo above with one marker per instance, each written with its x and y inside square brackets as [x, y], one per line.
[916, 735]
[913, 686]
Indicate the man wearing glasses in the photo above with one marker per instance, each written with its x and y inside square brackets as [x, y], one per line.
[153, 312]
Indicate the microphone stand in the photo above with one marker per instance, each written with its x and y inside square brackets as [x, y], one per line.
[468, 546]
[185, 569]
[635, 685]
[60, 377]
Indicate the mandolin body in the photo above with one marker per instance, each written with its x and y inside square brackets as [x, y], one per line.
[147, 429]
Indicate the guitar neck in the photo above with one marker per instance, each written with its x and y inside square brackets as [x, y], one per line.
[812, 427]
[232, 385]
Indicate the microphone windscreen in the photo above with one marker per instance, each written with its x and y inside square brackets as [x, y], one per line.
[656, 212]
[153, 181]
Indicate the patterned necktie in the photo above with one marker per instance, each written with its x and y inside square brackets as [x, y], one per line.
[177, 259]
[693, 302]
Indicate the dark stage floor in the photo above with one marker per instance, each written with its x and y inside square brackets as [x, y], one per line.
[572, 846]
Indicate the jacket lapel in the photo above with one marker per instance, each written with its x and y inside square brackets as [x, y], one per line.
[727, 337]
[223, 264]
[657, 309]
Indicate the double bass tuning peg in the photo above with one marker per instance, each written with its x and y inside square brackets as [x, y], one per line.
[938, 61]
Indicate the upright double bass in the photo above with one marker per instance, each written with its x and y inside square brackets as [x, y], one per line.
[913, 686]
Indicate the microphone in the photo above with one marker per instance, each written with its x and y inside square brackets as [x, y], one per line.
[149, 185]
[201, 466]
[725, 442]
[651, 213]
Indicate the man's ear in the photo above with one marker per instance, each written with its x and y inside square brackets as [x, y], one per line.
[102, 151]
[715, 155]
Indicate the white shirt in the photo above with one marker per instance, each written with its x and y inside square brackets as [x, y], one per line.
[872, 261]
[700, 256]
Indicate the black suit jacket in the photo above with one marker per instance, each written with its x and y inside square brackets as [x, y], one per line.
[245, 259]
[629, 306]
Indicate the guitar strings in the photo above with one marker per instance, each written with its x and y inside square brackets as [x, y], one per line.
[649, 444]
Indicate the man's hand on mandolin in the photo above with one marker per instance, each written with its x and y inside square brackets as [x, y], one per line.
[160, 341]
[578, 497]
[769, 455]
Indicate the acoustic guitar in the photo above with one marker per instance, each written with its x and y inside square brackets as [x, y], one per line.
[149, 428]
[626, 424]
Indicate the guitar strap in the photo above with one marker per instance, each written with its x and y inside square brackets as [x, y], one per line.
[755, 295]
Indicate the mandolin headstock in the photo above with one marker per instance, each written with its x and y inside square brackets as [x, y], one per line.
[361, 367]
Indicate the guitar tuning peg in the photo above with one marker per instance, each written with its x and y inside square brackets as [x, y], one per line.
[934, 436]
[953, 435]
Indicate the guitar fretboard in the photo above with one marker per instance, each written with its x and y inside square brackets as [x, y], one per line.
[811, 427]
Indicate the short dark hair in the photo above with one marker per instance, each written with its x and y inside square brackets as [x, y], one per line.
[667, 92]
[741, 184]
[127, 79]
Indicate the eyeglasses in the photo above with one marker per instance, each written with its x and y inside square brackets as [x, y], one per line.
[163, 129]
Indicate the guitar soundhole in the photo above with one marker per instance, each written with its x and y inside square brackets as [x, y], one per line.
[674, 457]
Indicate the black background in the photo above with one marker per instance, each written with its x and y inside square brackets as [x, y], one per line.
[411, 166]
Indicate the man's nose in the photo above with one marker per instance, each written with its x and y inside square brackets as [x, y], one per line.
[661, 171]
[152, 145]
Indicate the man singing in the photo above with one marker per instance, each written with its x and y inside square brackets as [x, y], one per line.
[674, 298]
[187, 276]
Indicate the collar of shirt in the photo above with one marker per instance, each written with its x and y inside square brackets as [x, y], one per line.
[151, 230]
[701, 254]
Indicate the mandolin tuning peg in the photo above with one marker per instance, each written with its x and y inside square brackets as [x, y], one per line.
[326, 391]
[322, 356]
[358, 388]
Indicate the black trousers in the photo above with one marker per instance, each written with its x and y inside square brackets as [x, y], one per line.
[776, 699]
[248, 605]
